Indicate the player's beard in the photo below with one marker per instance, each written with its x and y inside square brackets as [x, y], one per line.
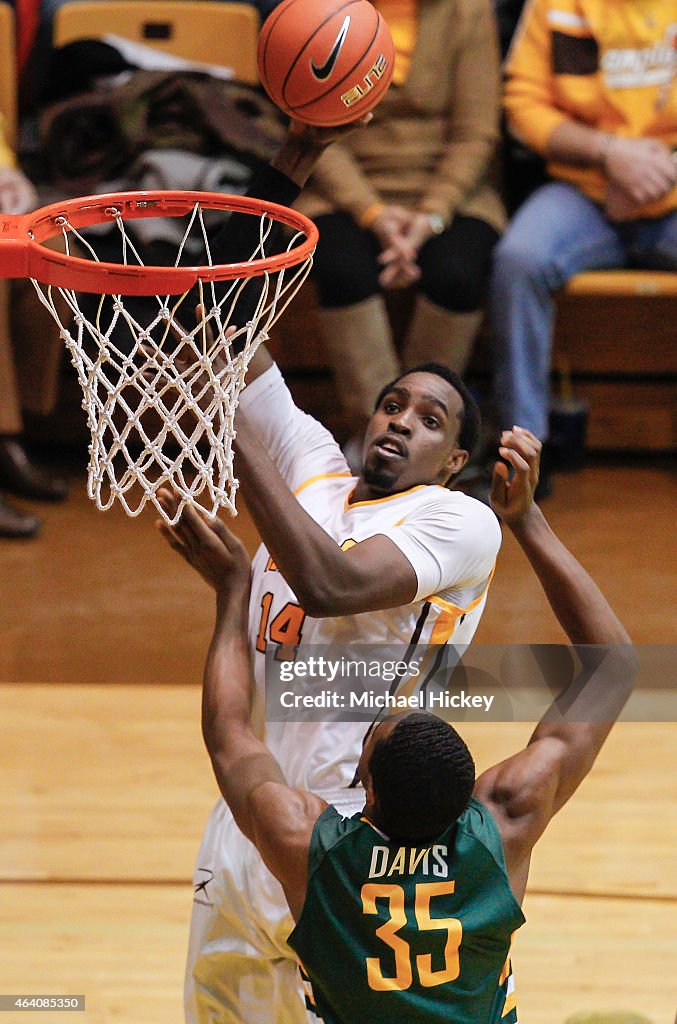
[380, 476]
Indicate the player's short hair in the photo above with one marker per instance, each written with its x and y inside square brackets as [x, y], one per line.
[423, 776]
[471, 419]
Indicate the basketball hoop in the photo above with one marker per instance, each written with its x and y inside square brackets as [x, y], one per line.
[161, 404]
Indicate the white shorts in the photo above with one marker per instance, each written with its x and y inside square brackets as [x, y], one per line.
[240, 969]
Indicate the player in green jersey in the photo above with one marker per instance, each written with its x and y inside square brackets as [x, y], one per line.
[404, 912]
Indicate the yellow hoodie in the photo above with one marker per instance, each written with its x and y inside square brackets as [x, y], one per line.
[609, 64]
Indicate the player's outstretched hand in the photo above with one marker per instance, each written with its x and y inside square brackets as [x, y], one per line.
[208, 546]
[512, 493]
[305, 143]
[317, 135]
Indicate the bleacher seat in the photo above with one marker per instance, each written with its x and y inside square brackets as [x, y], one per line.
[7, 71]
[616, 331]
[623, 282]
[217, 33]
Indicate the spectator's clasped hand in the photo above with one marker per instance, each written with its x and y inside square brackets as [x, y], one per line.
[639, 171]
[17, 194]
[401, 233]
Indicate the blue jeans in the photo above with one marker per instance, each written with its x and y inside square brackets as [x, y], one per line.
[557, 233]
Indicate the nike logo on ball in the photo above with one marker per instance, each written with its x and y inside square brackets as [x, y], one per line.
[328, 66]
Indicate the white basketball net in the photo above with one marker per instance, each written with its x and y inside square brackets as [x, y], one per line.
[161, 411]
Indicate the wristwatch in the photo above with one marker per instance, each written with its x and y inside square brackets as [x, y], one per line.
[437, 223]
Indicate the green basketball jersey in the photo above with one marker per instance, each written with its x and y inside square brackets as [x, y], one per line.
[395, 934]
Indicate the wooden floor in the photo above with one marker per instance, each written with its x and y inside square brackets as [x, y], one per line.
[104, 786]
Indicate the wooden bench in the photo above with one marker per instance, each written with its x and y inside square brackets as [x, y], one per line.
[617, 333]
[624, 283]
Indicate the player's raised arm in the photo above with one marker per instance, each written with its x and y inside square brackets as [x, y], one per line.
[276, 818]
[279, 181]
[413, 439]
[525, 791]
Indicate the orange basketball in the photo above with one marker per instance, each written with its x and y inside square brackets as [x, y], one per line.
[325, 62]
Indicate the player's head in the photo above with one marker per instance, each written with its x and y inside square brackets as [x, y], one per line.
[418, 774]
[423, 430]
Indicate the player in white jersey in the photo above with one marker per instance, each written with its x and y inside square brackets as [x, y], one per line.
[391, 557]
[450, 540]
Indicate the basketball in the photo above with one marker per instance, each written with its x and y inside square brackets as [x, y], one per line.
[325, 62]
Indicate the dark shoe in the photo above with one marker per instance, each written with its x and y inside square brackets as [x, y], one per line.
[21, 476]
[15, 524]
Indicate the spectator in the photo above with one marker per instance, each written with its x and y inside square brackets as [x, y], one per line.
[30, 382]
[410, 201]
[591, 87]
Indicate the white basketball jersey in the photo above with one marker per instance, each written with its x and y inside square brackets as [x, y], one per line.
[451, 541]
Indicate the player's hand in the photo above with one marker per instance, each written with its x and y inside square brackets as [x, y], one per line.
[644, 169]
[304, 145]
[208, 546]
[17, 194]
[316, 135]
[512, 493]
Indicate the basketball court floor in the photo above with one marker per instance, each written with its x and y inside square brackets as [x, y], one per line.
[105, 787]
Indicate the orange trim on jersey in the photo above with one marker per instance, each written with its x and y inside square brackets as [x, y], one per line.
[446, 623]
[510, 1004]
[320, 476]
[449, 607]
[373, 826]
[388, 497]
[306, 982]
[446, 606]
[442, 630]
[445, 626]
